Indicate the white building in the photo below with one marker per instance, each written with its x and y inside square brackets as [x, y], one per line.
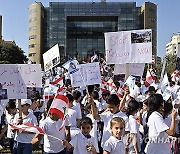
[172, 46]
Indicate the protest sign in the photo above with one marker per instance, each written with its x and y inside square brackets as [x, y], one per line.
[87, 74]
[129, 47]
[51, 58]
[17, 77]
[134, 69]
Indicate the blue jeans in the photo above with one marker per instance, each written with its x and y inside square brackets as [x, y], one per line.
[22, 148]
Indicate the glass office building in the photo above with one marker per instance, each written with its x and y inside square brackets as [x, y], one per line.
[79, 27]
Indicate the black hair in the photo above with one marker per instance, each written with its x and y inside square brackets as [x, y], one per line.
[76, 94]
[90, 89]
[117, 84]
[133, 105]
[105, 93]
[155, 101]
[11, 104]
[167, 108]
[70, 97]
[67, 82]
[86, 120]
[113, 99]
[95, 95]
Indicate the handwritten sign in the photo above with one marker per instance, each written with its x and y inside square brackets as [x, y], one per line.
[134, 69]
[51, 58]
[129, 47]
[16, 78]
[88, 74]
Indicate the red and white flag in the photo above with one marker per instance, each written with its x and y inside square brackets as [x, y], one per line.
[175, 75]
[94, 58]
[150, 77]
[59, 106]
[28, 128]
[120, 92]
[59, 83]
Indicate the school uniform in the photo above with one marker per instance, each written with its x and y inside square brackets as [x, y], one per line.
[52, 136]
[80, 143]
[158, 139]
[134, 129]
[114, 146]
[73, 116]
[77, 107]
[23, 140]
[106, 118]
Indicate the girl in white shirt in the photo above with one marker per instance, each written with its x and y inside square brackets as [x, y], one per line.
[158, 130]
[133, 107]
[114, 145]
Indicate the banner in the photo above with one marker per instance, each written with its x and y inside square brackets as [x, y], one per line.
[134, 69]
[129, 47]
[17, 77]
[88, 74]
[51, 58]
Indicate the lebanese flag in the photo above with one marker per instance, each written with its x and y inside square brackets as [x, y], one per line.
[28, 128]
[175, 75]
[150, 77]
[120, 92]
[59, 106]
[59, 83]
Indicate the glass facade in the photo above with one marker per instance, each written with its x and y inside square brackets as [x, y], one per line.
[79, 27]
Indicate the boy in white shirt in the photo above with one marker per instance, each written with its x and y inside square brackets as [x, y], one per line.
[83, 143]
[23, 139]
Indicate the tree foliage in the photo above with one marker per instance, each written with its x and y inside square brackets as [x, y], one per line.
[11, 54]
[170, 63]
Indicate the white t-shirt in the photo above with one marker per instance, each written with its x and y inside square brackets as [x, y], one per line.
[158, 139]
[9, 119]
[134, 129]
[52, 136]
[114, 146]
[106, 118]
[25, 137]
[77, 107]
[79, 142]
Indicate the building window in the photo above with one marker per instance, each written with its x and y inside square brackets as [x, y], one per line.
[32, 45]
[32, 11]
[32, 28]
[32, 37]
[32, 19]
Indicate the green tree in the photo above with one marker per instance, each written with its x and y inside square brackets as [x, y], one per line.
[170, 63]
[11, 54]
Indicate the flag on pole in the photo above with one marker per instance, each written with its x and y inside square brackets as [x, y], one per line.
[59, 83]
[150, 77]
[59, 106]
[94, 58]
[175, 75]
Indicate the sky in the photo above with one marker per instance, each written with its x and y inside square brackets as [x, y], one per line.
[15, 20]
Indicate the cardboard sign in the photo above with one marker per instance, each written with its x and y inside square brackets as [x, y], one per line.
[16, 78]
[129, 47]
[51, 58]
[134, 69]
[88, 74]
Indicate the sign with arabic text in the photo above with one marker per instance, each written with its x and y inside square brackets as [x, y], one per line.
[17, 77]
[87, 74]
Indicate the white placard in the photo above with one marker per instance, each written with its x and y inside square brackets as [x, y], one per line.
[16, 78]
[88, 74]
[129, 47]
[134, 69]
[51, 58]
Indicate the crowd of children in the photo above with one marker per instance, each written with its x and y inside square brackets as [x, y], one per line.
[98, 121]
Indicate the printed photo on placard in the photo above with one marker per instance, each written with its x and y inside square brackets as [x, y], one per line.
[3, 94]
[34, 93]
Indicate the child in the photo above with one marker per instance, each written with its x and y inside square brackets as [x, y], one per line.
[11, 109]
[112, 110]
[114, 144]
[52, 136]
[158, 130]
[23, 139]
[133, 107]
[83, 143]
